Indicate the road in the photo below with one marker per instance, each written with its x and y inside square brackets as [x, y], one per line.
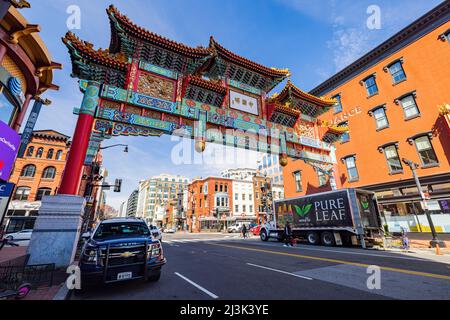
[209, 267]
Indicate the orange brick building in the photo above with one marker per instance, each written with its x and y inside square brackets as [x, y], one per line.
[390, 100]
[35, 175]
[206, 198]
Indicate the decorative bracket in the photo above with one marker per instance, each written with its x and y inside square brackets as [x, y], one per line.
[29, 29]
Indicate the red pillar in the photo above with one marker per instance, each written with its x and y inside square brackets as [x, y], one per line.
[80, 142]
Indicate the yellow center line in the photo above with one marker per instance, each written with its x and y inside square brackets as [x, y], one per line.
[411, 272]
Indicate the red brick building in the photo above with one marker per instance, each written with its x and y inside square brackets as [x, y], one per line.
[209, 204]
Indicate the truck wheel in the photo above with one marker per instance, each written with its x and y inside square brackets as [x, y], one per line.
[154, 277]
[328, 239]
[263, 235]
[313, 238]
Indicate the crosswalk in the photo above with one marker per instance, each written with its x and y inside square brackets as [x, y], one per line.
[195, 240]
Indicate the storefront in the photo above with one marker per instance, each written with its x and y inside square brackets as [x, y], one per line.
[401, 206]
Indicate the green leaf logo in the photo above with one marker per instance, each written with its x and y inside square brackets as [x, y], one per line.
[365, 205]
[303, 211]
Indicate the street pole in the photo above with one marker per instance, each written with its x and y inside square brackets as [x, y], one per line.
[435, 241]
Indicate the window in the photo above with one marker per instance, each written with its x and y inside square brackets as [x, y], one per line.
[250, 209]
[381, 120]
[371, 86]
[39, 153]
[243, 196]
[50, 153]
[409, 106]
[30, 151]
[351, 168]
[217, 187]
[49, 173]
[322, 178]
[426, 151]
[397, 72]
[393, 160]
[7, 107]
[338, 105]
[22, 193]
[244, 209]
[236, 208]
[236, 196]
[43, 192]
[28, 171]
[345, 137]
[298, 181]
[226, 188]
[250, 197]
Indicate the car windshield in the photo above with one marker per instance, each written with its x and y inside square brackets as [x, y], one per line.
[121, 230]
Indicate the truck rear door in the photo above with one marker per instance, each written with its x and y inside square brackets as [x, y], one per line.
[370, 217]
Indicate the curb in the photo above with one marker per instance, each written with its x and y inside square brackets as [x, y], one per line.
[63, 293]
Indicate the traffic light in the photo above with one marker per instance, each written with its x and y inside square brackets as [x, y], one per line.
[118, 185]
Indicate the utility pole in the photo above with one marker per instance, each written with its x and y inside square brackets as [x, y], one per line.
[414, 166]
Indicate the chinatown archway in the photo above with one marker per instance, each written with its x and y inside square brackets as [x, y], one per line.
[147, 85]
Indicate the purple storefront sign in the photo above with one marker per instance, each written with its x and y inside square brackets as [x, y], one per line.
[9, 145]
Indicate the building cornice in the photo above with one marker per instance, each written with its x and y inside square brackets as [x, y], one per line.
[429, 21]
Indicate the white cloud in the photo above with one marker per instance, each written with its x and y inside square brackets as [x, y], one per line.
[348, 45]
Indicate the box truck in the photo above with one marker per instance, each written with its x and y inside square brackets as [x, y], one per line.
[340, 217]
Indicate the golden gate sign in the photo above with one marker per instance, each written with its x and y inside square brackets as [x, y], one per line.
[147, 85]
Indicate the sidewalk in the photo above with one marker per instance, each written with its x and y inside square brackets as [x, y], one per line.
[41, 293]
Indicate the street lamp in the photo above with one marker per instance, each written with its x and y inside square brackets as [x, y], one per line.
[116, 145]
[435, 241]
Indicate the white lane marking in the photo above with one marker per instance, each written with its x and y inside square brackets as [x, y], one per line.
[209, 293]
[345, 252]
[279, 271]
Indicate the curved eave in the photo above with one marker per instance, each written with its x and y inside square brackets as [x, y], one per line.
[35, 48]
[209, 85]
[274, 73]
[291, 89]
[287, 110]
[85, 50]
[136, 31]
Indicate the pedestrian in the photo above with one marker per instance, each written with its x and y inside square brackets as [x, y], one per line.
[244, 231]
[405, 239]
[287, 235]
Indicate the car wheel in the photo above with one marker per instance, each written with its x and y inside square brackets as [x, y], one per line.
[155, 276]
[328, 239]
[313, 238]
[263, 235]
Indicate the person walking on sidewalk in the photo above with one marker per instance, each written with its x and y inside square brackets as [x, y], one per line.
[244, 231]
[287, 235]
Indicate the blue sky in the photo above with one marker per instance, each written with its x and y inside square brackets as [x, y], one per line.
[314, 39]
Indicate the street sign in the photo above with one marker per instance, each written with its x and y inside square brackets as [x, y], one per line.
[9, 145]
[29, 127]
[6, 190]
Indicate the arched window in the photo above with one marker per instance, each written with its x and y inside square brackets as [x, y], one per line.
[30, 151]
[43, 192]
[59, 155]
[22, 193]
[50, 154]
[39, 153]
[28, 171]
[49, 173]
